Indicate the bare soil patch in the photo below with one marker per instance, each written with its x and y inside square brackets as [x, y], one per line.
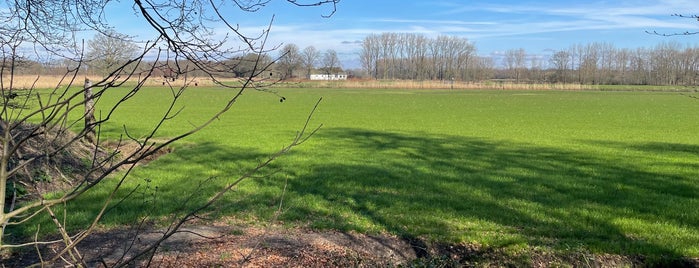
[221, 245]
[226, 246]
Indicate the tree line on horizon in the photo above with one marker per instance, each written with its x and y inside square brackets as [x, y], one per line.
[418, 57]
[411, 56]
[103, 52]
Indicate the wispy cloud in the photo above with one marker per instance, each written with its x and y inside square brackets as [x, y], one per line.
[591, 14]
[495, 24]
[514, 19]
[579, 8]
[414, 21]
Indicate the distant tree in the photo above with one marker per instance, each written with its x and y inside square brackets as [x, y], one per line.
[686, 66]
[249, 64]
[22, 65]
[482, 68]
[561, 63]
[607, 63]
[623, 66]
[309, 58]
[370, 54]
[415, 56]
[665, 61]
[515, 63]
[589, 63]
[289, 60]
[107, 51]
[331, 63]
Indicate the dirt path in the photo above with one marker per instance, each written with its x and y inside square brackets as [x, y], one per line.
[223, 246]
[220, 245]
[275, 247]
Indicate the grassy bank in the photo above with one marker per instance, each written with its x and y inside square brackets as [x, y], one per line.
[590, 171]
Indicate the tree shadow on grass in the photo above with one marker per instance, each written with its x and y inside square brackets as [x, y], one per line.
[450, 189]
[166, 188]
[497, 193]
[189, 177]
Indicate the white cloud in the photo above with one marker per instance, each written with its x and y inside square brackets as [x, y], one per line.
[414, 21]
[518, 20]
[484, 22]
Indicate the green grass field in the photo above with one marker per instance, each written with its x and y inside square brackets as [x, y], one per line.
[599, 172]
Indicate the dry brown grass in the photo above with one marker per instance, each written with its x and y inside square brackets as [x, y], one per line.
[38, 81]
[53, 81]
[433, 84]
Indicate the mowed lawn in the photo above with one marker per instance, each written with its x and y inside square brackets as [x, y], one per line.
[598, 172]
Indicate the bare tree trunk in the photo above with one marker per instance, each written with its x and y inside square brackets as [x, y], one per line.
[89, 112]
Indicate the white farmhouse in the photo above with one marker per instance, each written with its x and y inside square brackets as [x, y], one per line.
[328, 77]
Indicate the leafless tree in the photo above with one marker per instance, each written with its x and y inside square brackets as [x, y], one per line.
[482, 68]
[622, 66]
[183, 40]
[666, 62]
[414, 56]
[640, 66]
[515, 63]
[370, 54]
[309, 57]
[588, 63]
[607, 63]
[331, 63]
[290, 60]
[561, 63]
[107, 51]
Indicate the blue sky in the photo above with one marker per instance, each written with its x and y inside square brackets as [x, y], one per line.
[539, 27]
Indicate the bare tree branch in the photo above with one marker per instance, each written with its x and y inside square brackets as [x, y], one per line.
[695, 17]
[44, 116]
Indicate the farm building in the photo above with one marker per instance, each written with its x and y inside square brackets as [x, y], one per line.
[328, 77]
